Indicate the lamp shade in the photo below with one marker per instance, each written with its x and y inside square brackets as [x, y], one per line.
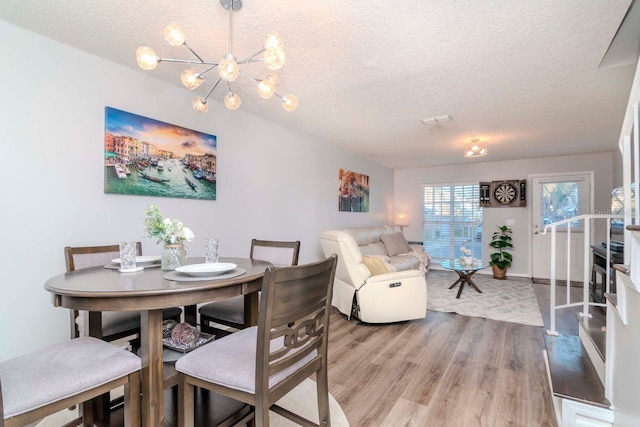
[402, 220]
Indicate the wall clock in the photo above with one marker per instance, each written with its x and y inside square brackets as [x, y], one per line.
[506, 193]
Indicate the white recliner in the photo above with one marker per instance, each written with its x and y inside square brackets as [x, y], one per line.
[398, 295]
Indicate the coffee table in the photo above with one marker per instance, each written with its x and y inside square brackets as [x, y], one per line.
[464, 272]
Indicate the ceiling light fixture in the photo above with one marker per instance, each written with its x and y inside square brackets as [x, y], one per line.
[475, 148]
[229, 68]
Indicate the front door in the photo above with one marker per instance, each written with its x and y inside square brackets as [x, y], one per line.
[555, 198]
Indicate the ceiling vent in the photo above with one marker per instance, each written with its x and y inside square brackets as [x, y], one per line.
[436, 120]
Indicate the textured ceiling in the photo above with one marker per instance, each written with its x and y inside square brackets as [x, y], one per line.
[521, 75]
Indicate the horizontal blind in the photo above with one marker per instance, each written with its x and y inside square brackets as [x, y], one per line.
[452, 218]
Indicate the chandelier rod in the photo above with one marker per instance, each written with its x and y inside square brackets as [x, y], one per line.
[230, 26]
[193, 51]
[188, 61]
[211, 90]
[249, 58]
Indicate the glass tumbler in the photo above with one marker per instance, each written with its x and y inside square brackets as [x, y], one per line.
[211, 250]
[127, 255]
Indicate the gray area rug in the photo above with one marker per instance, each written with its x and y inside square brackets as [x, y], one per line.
[505, 300]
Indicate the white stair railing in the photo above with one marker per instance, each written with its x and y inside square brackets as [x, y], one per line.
[584, 222]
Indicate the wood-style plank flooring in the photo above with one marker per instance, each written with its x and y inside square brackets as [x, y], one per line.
[444, 370]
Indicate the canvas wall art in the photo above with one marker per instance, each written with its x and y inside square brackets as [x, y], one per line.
[353, 191]
[148, 157]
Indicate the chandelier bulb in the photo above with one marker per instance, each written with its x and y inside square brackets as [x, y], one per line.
[174, 34]
[289, 103]
[228, 69]
[273, 41]
[274, 58]
[147, 58]
[274, 78]
[232, 101]
[266, 88]
[191, 78]
[200, 105]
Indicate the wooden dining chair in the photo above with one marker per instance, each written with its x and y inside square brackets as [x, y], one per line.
[42, 383]
[259, 365]
[230, 311]
[115, 324]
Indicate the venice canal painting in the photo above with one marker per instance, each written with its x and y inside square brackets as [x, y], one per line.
[148, 157]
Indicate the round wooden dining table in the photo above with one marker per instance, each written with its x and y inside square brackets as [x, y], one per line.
[99, 289]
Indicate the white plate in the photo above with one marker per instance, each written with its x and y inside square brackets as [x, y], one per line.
[141, 261]
[206, 269]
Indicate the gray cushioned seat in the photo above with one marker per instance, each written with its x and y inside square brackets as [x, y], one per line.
[62, 370]
[230, 309]
[114, 322]
[231, 361]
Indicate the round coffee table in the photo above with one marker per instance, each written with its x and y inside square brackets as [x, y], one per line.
[464, 272]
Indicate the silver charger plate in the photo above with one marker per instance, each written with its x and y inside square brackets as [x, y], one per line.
[202, 340]
[182, 277]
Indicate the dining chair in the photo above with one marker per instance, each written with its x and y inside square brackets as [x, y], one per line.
[230, 311]
[42, 383]
[115, 324]
[260, 364]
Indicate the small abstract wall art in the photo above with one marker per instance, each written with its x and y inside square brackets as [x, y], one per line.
[353, 191]
[148, 157]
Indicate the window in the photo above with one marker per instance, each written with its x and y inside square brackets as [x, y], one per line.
[452, 218]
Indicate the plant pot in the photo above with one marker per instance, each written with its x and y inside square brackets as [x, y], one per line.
[499, 273]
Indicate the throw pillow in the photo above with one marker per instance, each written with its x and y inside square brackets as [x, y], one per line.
[395, 243]
[375, 264]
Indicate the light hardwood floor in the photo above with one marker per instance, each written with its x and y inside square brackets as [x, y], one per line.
[444, 370]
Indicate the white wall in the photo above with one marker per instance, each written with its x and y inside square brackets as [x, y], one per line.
[272, 183]
[409, 194]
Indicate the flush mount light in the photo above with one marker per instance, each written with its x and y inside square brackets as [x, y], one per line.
[228, 68]
[475, 148]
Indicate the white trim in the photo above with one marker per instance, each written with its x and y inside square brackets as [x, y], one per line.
[573, 414]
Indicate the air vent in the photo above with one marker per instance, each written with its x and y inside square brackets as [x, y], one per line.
[436, 120]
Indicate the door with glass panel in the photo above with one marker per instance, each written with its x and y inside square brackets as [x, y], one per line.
[555, 198]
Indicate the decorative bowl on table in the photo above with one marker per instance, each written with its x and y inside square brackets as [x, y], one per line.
[183, 337]
[206, 269]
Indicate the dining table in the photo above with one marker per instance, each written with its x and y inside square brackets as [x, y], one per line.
[149, 291]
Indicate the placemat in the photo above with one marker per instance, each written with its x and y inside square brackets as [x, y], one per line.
[182, 277]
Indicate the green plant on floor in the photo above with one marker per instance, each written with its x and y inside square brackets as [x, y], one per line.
[501, 241]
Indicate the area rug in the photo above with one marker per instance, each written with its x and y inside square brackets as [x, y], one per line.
[301, 400]
[505, 300]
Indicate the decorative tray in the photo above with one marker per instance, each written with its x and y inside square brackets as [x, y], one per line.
[204, 339]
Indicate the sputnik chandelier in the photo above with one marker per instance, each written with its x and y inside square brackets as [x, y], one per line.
[475, 148]
[228, 68]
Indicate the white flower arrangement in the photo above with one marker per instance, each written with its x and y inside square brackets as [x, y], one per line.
[167, 230]
[465, 251]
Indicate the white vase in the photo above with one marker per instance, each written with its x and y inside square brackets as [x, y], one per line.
[467, 260]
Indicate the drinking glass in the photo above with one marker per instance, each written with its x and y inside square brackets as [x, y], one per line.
[211, 250]
[127, 255]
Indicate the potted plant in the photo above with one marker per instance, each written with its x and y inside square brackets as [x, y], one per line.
[501, 259]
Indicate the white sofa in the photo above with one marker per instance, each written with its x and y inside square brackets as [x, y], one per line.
[397, 295]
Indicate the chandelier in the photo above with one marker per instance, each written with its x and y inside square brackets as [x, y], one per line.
[475, 148]
[228, 68]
